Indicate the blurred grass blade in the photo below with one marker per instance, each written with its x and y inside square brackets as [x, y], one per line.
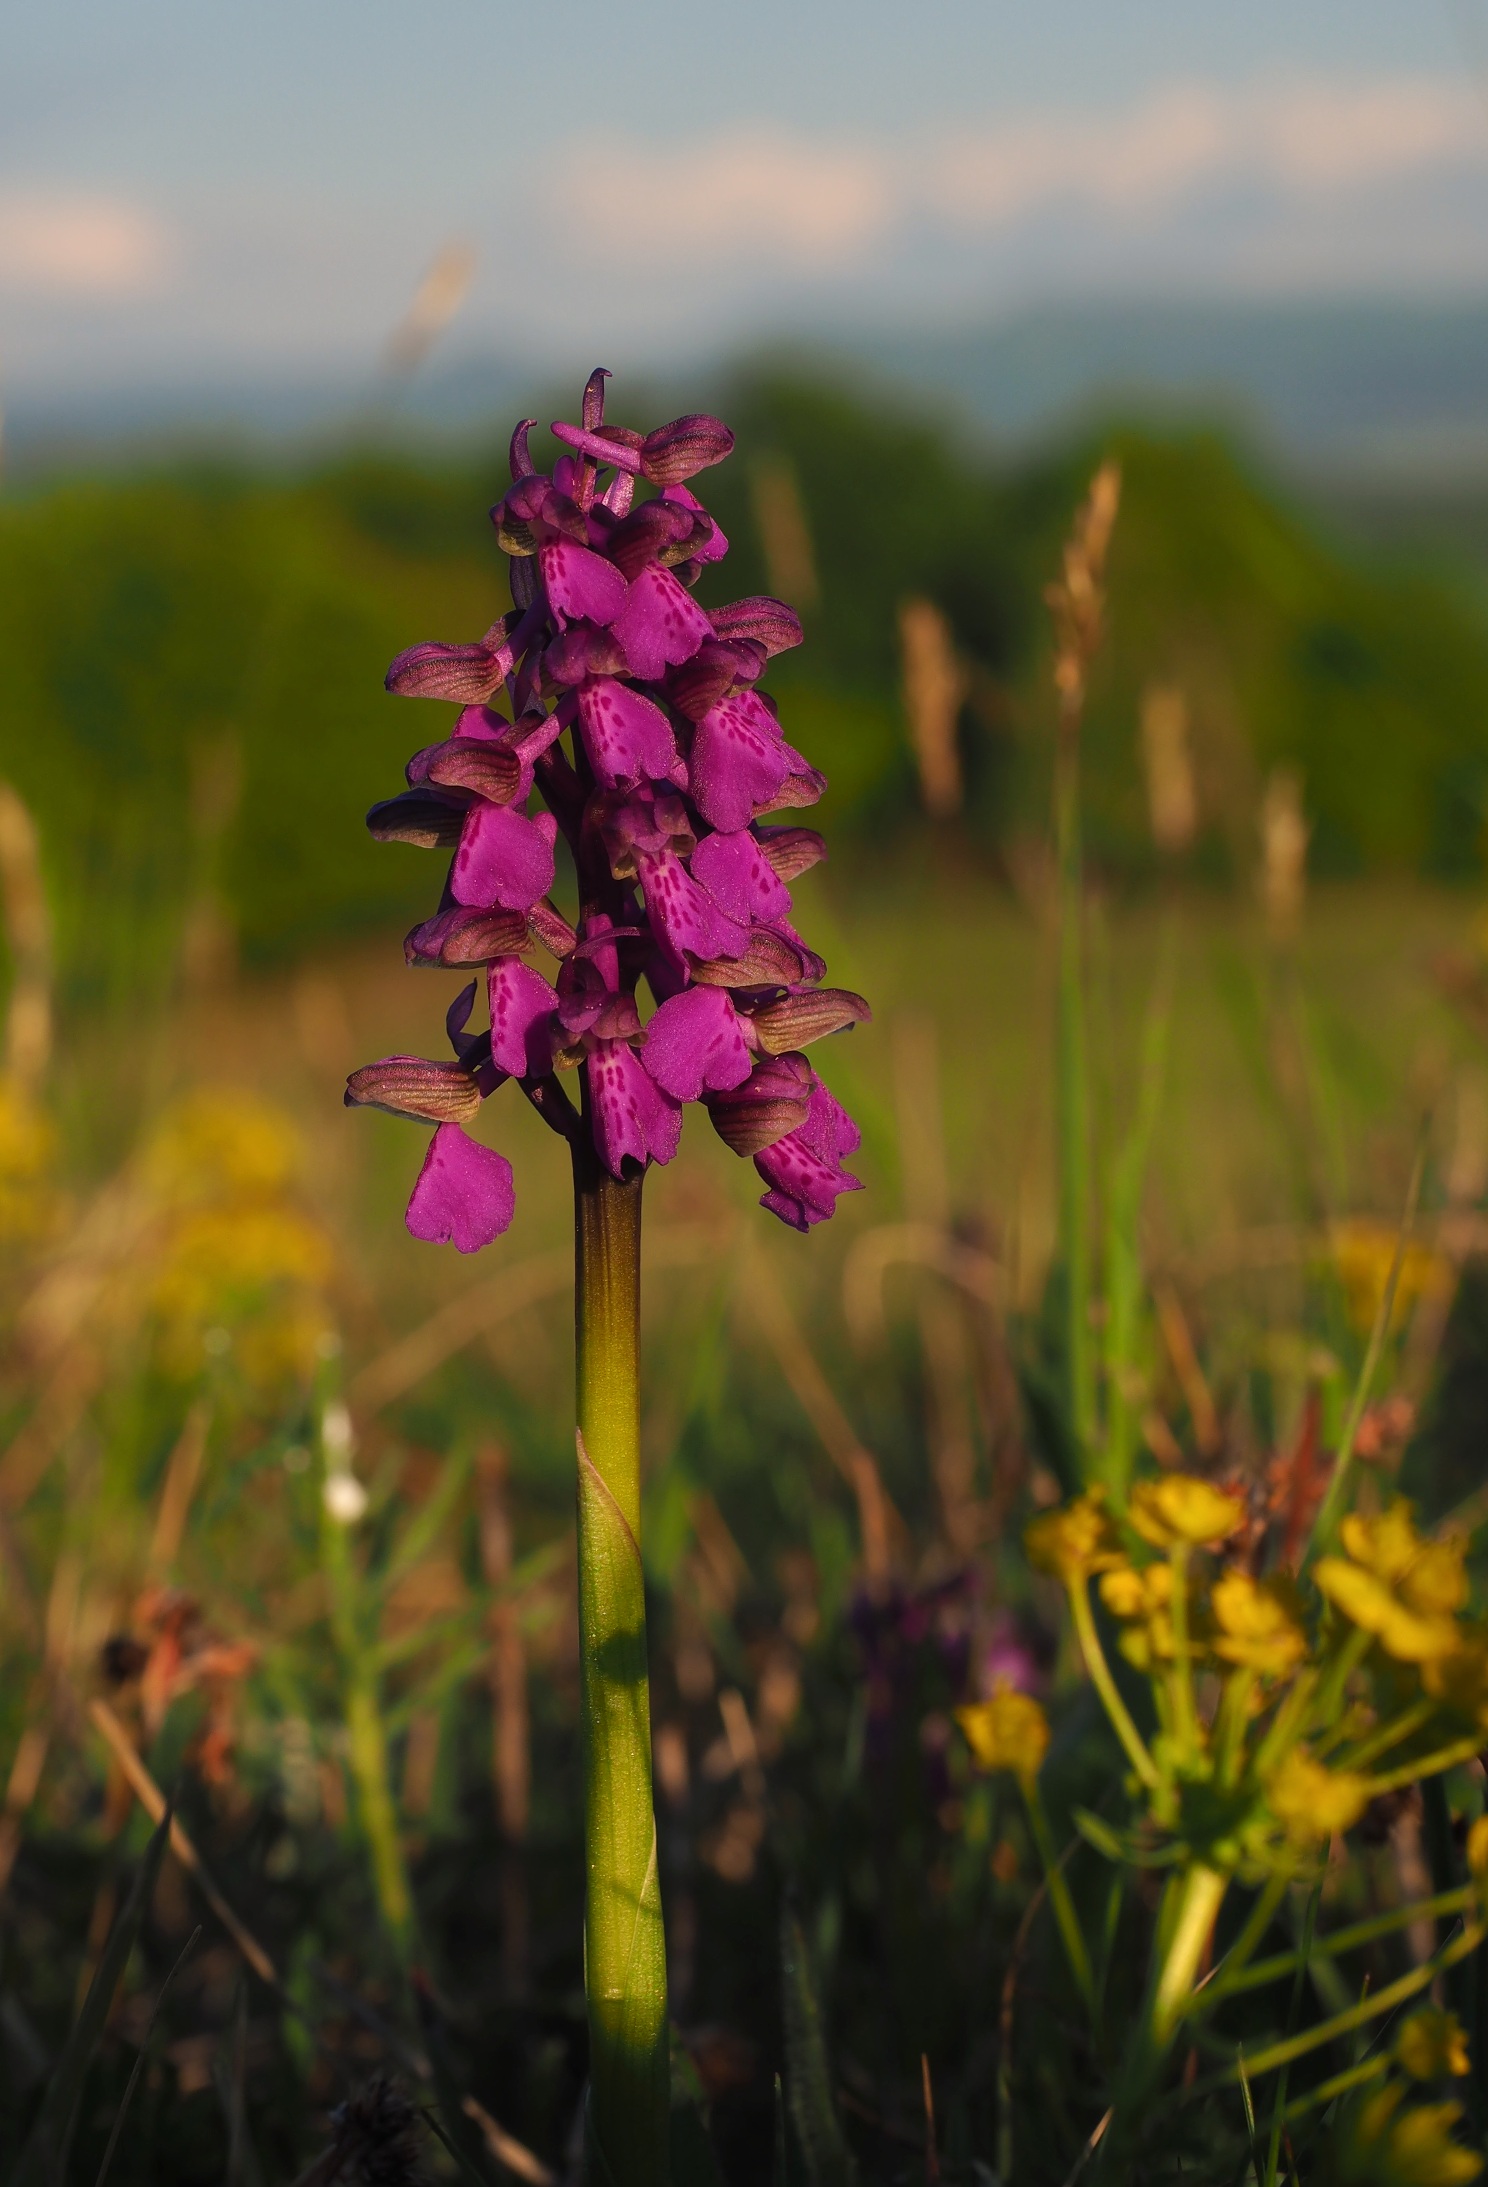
[1123, 1272]
[811, 2116]
[139, 2066]
[693, 2161]
[43, 2160]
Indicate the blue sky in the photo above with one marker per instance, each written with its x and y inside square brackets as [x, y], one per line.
[192, 188]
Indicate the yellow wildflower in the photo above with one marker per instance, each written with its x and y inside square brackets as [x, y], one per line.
[1010, 1731]
[1395, 1585]
[1382, 2146]
[1142, 1599]
[1432, 2046]
[1477, 1851]
[1255, 1624]
[1074, 1541]
[1179, 1508]
[28, 1150]
[1364, 1253]
[218, 1145]
[1312, 1802]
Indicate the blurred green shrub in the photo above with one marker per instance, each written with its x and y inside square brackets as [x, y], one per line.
[195, 715]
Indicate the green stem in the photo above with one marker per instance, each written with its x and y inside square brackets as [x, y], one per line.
[1331, 1508]
[624, 1942]
[1203, 1891]
[1186, 1721]
[1426, 1765]
[1278, 2105]
[1369, 2008]
[1105, 1685]
[366, 1732]
[1059, 1898]
[1072, 1086]
[1340, 1941]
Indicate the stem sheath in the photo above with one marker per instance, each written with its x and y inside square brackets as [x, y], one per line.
[624, 1942]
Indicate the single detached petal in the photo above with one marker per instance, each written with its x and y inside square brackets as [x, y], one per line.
[504, 858]
[632, 1115]
[627, 737]
[739, 877]
[659, 623]
[695, 1044]
[580, 583]
[522, 1006]
[684, 917]
[737, 766]
[464, 1196]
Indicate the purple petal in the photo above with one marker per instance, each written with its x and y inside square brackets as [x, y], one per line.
[829, 1131]
[459, 936]
[736, 873]
[659, 623]
[736, 766]
[632, 1116]
[464, 1195]
[626, 735]
[522, 1006]
[616, 445]
[684, 916]
[694, 1044]
[580, 583]
[504, 858]
[803, 1170]
[717, 545]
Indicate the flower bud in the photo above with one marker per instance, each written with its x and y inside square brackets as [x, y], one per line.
[776, 626]
[797, 1019]
[773, 1101]
[426, 817]
[468, 763]
[675, 452]
[433, 1093]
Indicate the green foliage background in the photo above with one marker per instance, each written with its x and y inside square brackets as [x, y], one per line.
[147, 623]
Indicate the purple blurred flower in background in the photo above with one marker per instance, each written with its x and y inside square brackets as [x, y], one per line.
[673, 759]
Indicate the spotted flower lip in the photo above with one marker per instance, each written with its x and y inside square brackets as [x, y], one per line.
[612, 740]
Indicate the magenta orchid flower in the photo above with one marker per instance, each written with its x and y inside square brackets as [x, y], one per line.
[610, 710]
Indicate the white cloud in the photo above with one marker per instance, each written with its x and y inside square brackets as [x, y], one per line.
[757, 196]
[80, 246]
[752, 194]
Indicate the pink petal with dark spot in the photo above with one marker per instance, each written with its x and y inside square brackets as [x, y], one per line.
[736, 873]
[627, 737]
[694, 1044]
[522, 1006]
[660, 624]
[684, 916]
[504, 858]
[736, 766]
[464, 1195]
[632, 1116]
[580, 582]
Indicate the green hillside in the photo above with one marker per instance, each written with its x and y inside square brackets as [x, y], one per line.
[162, 633]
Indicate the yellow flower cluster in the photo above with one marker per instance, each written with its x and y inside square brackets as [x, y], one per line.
[1404, 1590]
[1008, 1732]
[29, 1201]
[1074, 1541]
[1432, 2046]
[1256, 1624]
[236, 1256]
[1383, 2145]
[1312, 1802]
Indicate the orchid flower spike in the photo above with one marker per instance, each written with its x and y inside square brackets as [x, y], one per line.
[610, 709]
